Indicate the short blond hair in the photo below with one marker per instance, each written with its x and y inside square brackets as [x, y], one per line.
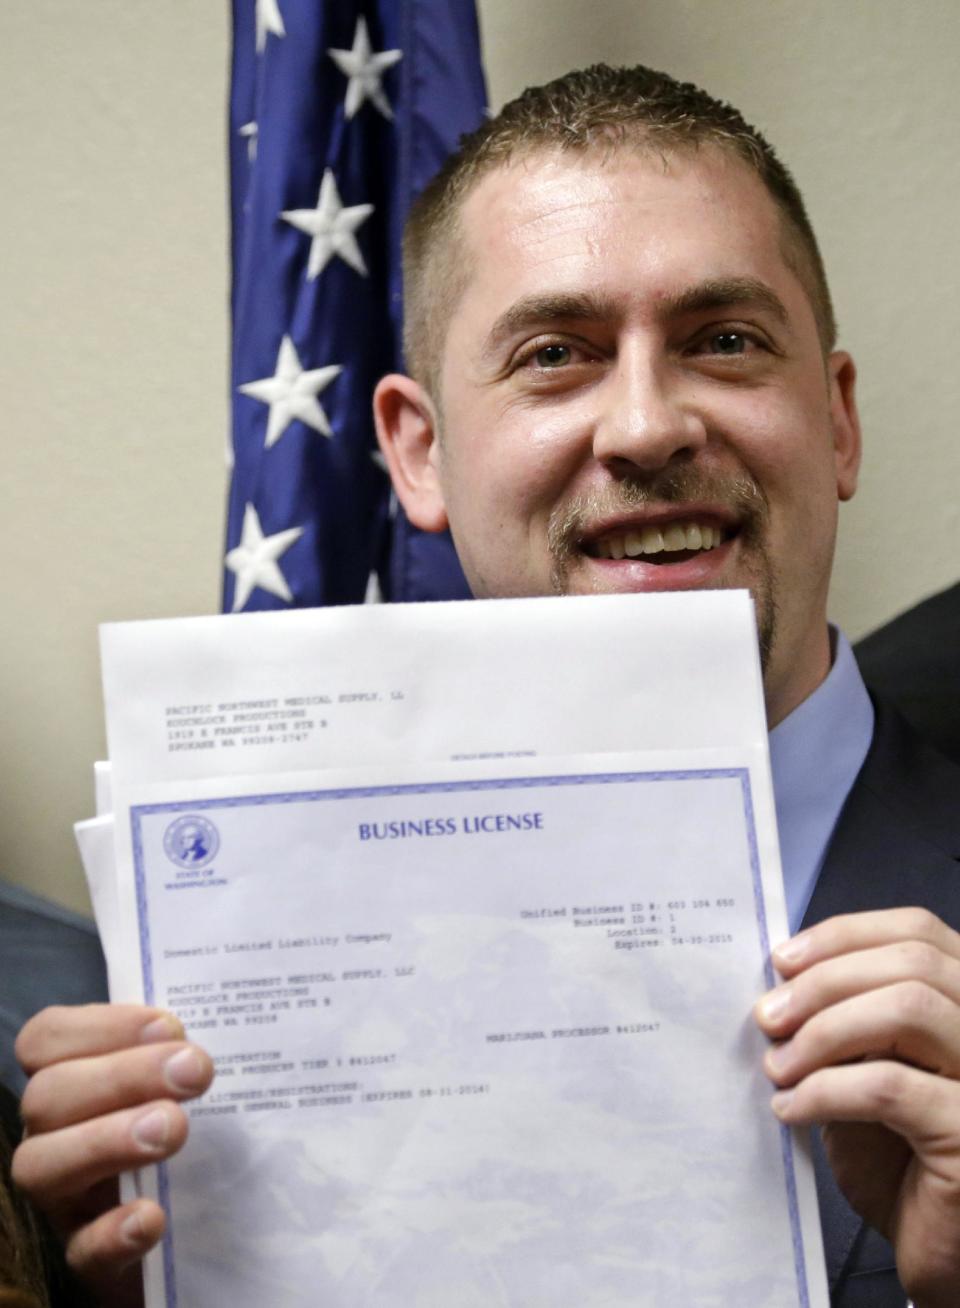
[594, 108]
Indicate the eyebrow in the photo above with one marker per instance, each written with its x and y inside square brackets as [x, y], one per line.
[727, 293]
[531, 309]
[716, 293]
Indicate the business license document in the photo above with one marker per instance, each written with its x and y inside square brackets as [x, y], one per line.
[470, 904]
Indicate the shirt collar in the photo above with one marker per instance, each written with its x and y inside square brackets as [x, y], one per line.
[815, 755]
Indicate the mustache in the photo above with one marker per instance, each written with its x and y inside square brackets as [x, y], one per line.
[741, 495]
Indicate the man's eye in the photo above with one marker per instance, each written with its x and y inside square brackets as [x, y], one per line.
[552, 356]
[728, 343]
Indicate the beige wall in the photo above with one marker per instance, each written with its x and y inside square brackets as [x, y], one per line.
[113, 319]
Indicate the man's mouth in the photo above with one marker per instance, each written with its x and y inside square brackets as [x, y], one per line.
[680, 529]
[672, 542]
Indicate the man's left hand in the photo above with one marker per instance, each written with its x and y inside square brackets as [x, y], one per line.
[868, 1030]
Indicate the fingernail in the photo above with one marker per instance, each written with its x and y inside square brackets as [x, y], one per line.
[160, 1029]
[184, 1072]
[780, 1103]
[152, 1130]
[776, 1004]
[791, 951]
[131, 1229]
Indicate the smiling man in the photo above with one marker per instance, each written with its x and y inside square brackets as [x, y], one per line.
[635, 389]
[623, 378]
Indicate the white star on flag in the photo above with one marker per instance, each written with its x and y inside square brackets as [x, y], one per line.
[254, 560]
[332, 227]
[269, 19]
[365, 69]
[249, 132]
[292, 393]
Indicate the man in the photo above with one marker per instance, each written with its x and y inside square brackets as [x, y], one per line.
[624, 378]
[914, 661]
[193, 848]
[48, 955]
[32, 1272]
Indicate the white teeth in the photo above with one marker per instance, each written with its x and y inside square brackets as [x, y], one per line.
[675, 537]
[653, 540]
[633, 544]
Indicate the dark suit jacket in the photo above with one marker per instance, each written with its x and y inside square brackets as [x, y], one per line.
[897, 843]
[61, 1288]
[48, 955]
[914, 662]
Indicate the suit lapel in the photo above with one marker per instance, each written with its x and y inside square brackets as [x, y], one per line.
[897, 840]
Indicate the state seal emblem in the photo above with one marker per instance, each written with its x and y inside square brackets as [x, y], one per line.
[191, 841]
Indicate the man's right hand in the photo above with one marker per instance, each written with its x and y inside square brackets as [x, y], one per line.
[102, 1099]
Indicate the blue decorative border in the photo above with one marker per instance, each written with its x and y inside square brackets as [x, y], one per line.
[140, 811]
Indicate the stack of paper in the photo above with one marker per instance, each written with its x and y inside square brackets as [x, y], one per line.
[470, 904]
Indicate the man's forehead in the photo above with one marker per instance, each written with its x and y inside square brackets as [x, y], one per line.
[551, 213]
[544, 183]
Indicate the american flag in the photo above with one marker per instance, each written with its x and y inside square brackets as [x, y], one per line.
[340, 112]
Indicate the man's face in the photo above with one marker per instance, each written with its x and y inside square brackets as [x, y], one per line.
[634, 396]
[192, 842]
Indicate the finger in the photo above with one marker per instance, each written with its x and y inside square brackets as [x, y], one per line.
[914, 1201]
[784, 1009]
[80, 1031]
[922, 1108]
[102, 1250]
[84, 1088]
[908, 1021]
[62, 1165]
[852, 931]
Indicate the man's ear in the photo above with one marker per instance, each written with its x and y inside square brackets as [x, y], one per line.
[842, 373]
[408, 432]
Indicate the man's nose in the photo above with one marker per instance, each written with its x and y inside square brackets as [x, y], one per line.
[647, 418]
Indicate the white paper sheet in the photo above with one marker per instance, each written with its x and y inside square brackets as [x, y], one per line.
[96, 843]
[102, 787]
[471, 914]
[95, 840]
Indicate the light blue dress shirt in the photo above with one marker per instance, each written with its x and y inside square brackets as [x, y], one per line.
[815, 755]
